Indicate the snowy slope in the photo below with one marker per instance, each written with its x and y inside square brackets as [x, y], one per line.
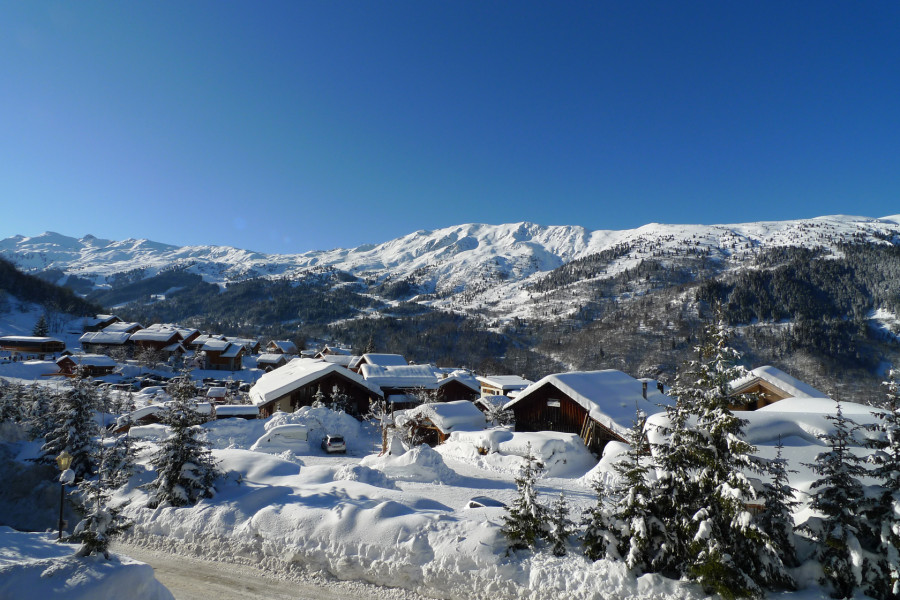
[491, 263]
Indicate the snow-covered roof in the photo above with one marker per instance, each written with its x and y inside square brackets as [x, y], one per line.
[105, 337]
[200, 340]
[459, 415]
[235, 410]
[337, 350]
[339, 359]
[610, 397]
[464, 377]
[215, 345]
[27, 338]
[285, 346]
[122, 326]
[217, 391]
[268, 358]
[297, 373]
[400, 376]
[176, 347]
[791, 386]
[494, 402]
[505, 382]
[155, 335]
[232, 351]
[384, 360]
[89, 360]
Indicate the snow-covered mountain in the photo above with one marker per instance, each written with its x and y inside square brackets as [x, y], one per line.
[462, 267]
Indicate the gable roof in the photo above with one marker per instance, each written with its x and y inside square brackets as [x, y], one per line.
[88, 360]
[463, 377]
[285, 346]
[122, 326]
[116, 338]
[400, 376]
[297, 373]
[269, 358]
[610, 397]
[383, 360]
[151, 334]
[505, 382]
[459, 415]
[791, 386]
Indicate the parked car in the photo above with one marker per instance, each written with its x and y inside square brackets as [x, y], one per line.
[333, 444]
[283, 437]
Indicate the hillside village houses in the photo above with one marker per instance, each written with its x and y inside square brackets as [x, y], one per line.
[598, 406]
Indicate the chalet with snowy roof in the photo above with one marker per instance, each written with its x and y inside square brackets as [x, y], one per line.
[220, 355]
[217, 393]
[332, 350]
[767, 385]
[98, 322]
[268, 362]
[105, 342]
[339, 359]
[502, 385]
[250, 345]
[155, 338]
[188, 335]
[457, 385]
[89, 365]
[378, 360]
[281, 347]
[22, 346]
[433, 423]
[199, 341]
[122, 327]
[598, 405]
[236, 411]
[296, 384]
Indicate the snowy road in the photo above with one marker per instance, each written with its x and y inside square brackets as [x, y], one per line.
[195, 579]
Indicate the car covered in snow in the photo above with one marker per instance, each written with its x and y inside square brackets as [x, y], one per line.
[334, 444]
[283, 437]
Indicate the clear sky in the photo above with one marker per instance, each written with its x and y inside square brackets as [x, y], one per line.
[286, 126]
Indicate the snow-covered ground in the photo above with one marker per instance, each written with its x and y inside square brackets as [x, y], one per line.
[425, 520]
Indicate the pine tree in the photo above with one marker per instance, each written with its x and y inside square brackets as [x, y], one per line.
[10, 402]
[319, 398]
[41, 328]
[185, 469]
[560, 525]
[776, 517]
[702, 490]
[340, 401]
[118, 463]
[74, 428]
[838, 496]
[885, 513]
[100, 522]
[599, 538]
[38, 403]
[640, 533]
[524, 521]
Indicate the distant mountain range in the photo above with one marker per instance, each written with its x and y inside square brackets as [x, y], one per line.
[553, 296]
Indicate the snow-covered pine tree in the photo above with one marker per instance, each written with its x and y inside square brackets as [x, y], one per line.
[776, 517]
[319, 398]
[339, 400]
[885, 513]
[599, 536]
[38, 403]
[100, 522]
[560, 526]
[639, 532]
[41, 328]
[118, 464]
[185, 469]
[73, 428]
[715, 539]
[11, 405]
[838, 496]
[524, 521]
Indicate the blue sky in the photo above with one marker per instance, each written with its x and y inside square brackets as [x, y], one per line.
[291, 126]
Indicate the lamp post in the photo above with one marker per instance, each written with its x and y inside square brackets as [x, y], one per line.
[63, 461]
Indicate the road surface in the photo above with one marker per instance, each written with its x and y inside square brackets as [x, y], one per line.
[190, 578]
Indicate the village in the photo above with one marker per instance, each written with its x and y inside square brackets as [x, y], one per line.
[239, 377]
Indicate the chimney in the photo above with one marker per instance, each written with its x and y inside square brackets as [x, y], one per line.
[644, 389]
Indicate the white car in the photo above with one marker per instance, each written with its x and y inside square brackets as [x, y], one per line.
[284, 437]
[334, 443]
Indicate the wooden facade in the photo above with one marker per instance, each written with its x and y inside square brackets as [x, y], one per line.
[549, 409]
[761, 392]
[359, 396]
[455, 390]
[25, 346]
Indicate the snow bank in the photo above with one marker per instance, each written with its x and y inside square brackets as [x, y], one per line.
[420, 464]
[324, 421]
[33, 565]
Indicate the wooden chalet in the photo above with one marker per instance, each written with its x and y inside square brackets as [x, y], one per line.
[600, 406]
[378, 360]
[106, 342]
[123, 327]
[268, 362]
[296, 384]
[433, 423]
[334, 350]
[281, 347]
[200, 340]
[20, 346]
[155, 338]
[766, 385]
[89, 365]
[502, 385]
[98, 322]
[222, 356]
[251, 346]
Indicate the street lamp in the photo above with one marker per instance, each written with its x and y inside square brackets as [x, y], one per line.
[63, 461]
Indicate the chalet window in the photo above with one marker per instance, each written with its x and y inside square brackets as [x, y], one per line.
[553, 403]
